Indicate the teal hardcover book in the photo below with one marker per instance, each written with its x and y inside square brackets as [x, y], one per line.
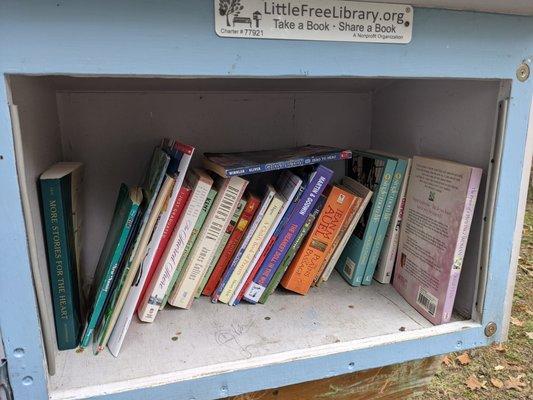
[58, 205]
[126, 209]
[374, 172]
[390, 203]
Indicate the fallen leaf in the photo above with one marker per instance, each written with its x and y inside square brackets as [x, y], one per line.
[529, 312]
[529, 335]
[500, 348]
[514, 383]
[447, 361]
[516, 322]
[464, 359]
[496, 383]
[473, 383]
[499, 367]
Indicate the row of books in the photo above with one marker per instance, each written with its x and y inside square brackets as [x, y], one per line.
[235, 231]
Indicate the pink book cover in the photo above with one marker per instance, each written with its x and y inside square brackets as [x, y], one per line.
[439, 206]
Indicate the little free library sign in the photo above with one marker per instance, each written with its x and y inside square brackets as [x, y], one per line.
[336, 20]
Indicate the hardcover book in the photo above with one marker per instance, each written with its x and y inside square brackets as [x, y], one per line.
[126, 209]
[251, 162]
[374, 172]
[388, 208]
[387, 257]
[252, 204]
[201, 184]
[314, 189]
[365, 195]
[229, 195]
[60, 192]
[292, 250]
[221, 246]
[312, 254]
[439, 206]
[184, 259]
[265, 202]
[287, 186]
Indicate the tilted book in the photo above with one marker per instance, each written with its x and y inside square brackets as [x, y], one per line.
[252, 204]
[251, 162]
[229, 194]
[387, 257]
[178, 273]
[375, 173]
[60, 189]
[268, 195]
[312, 254]
[388, 208]
[439, 206]
[258, 237]
[276, 279]
[287, 186]
[126, 209]
[365, 195]
[314, 189]
[221, 245]
[201, 184]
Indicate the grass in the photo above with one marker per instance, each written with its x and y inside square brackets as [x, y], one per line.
[499, 372]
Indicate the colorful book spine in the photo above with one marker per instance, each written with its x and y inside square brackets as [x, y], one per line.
[252, 204]
[353, 260]
[151, 302]
[230, 193]
[232, 286]
[312, 193]
[61, 252]
[387, 257]
[269, 194]
[287, 186]
[126, 209]
[312, 254]
[129, 273]
[276, 279]
[221, 246]
[190, 243]
[363, 193]
[390, 202]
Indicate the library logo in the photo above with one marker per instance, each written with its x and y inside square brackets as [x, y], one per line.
[231, 9]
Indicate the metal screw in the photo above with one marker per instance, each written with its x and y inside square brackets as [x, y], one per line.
[490, 329]
[407, 10]
[407, 23]
[522, 72]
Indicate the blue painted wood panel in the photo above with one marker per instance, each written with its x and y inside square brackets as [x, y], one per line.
[177, 38]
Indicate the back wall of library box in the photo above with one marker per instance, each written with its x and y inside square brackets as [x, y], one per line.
[112, 124]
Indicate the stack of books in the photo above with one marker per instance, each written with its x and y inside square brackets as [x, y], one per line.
[233, 231]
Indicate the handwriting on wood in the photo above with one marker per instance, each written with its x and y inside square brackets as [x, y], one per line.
[387, 383]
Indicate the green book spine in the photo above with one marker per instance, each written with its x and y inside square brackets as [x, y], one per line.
[354, 258]
[61, 260]
[291, 253]
[390, 203]
[220, 247]
[188, 247]
[117, 237]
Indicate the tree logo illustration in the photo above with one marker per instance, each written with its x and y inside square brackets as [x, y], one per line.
[229, 7]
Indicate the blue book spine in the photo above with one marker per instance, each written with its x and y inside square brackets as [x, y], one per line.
[305, 205]
[294, 163]
[390, 202]
[353, 260]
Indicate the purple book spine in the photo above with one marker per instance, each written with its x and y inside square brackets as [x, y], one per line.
[312, 193]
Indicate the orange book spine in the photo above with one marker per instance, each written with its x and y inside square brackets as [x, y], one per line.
[307, 263]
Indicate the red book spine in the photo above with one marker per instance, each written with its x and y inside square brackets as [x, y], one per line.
[233, 242]
[256, 267]
[177, 209]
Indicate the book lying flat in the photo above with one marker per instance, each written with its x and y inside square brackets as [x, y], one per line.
[439, 207]
[251, 162]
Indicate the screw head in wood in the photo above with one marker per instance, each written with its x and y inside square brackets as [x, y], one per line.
[490, 329]
[522, 72]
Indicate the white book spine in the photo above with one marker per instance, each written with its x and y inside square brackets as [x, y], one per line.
[208, 239]
[387, 257]
[169, 261]
[126, 314]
